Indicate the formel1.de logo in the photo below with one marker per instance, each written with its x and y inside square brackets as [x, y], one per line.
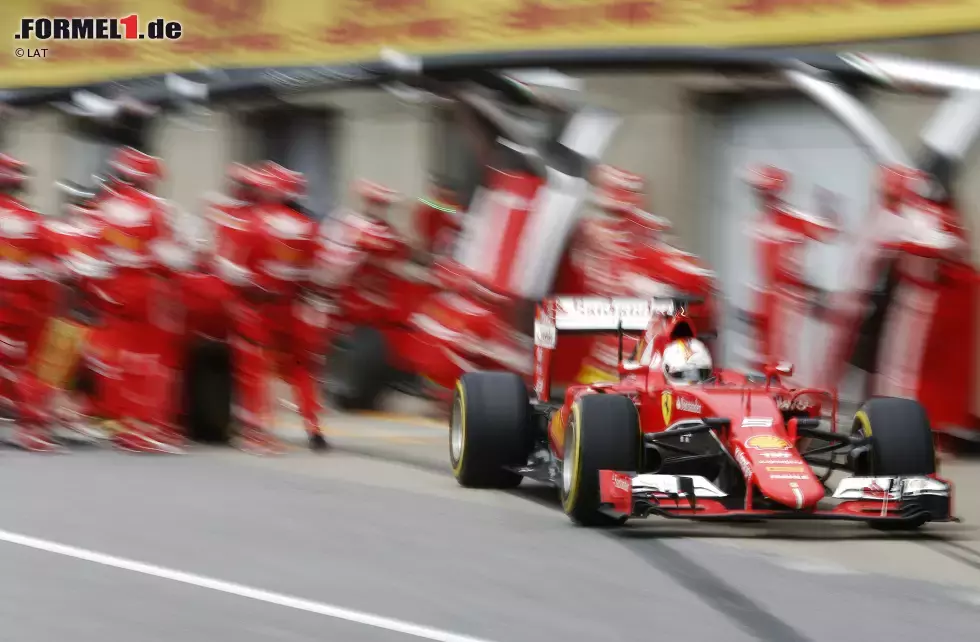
[125, 28]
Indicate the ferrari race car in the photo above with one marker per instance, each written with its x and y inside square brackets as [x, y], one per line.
[727, 445]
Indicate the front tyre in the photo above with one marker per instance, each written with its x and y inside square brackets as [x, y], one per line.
[488, 430]
[603, 433]
[901, 438]
[901, 444]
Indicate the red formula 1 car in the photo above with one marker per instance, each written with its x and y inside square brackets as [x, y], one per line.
[726, 445]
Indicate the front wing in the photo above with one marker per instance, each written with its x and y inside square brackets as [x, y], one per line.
[868, 499]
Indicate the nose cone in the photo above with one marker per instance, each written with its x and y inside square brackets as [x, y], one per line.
[780, 473]
[801, 491]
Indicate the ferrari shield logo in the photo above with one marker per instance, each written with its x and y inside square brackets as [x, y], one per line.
[667, 405]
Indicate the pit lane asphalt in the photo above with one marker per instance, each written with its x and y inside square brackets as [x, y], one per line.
[378, 526]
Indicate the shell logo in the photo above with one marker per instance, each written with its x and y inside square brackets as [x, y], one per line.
[767, 442]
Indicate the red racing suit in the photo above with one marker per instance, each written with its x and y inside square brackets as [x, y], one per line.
[27, 268]
[437, 222]
[264, 257]
[135, 259]
[75, 243]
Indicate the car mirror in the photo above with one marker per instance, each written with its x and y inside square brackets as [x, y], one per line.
[783, 368]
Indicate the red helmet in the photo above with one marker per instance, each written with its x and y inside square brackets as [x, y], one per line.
[241, 189]
[13, 172]
[621, 194]
[375, 194]
[267, 185]
[897, 184]
[617, 191]
[130, 165]
[238, 172]
[293, 183]
[769, 179]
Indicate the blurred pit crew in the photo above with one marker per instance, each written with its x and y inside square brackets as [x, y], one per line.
[73, 329]
[377, 199]
[608, 241]
[621, 196]
[436, 219]
[140, 314]
[653, 261]
[780, 239]
[370, 231]
[27, 266]
[267, 273]
[302, 343]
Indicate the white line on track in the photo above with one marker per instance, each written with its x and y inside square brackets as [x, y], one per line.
[300, 604]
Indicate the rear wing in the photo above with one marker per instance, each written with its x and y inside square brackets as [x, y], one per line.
[592, 315]
[595, 315]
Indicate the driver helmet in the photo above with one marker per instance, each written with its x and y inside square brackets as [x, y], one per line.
[687, 361]
[13, 174]
[130, 166]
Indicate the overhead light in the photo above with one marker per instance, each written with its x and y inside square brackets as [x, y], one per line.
[546, 78]
[88, 104]
[185, 88]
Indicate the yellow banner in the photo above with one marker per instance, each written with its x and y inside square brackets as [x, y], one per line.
[248, 33]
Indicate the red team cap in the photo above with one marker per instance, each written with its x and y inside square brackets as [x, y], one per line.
[897, 185]
[291, 182]
[13, 172]
[375, 193]
[618, 191]
[769, 179]
[238, 173]
[135, 166]
[259, 179]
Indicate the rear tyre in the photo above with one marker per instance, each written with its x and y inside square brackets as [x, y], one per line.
[901, 444]
[603, 433]
[208, 390]
[358, 369]
[488, 429]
